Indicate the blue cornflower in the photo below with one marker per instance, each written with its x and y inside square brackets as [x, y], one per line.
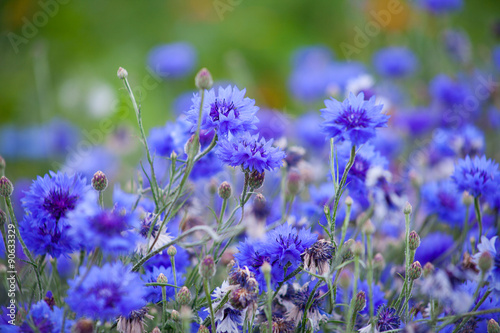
[174, 60]
[433, 246]
[493, 276]
[476, 176]
[443, 199]
[253, 254]
[395, 62]
[110, 230]
[387, 319]
[285, 244]
[228, 111]
[106, 292]
[296, 304]
[47, 204]
[355, 119]
[154, 293]
[308, 131]
[250, 152]
[448, 92]
[171, 137]
[439, 7]
[45, 320]
[457, 45]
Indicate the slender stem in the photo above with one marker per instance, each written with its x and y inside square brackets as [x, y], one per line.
[13, 219]
[344, 227]
[218, 308]
[269, 301]
[370, 277]
[407, 257]
[101, 199]
[164, 305]
[477, 209]
[352, 312]
[209, 301]
[222, 211]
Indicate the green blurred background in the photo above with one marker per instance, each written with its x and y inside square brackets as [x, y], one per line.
[77, 51]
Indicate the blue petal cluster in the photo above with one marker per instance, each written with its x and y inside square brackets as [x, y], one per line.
[395, 62]
[440, 7]
[106, 292]
[171, 137]
[443, 199]
[355, 119]
[227, 111]
[476, 176]
[250, 152]
[174, 60]
[47, 204]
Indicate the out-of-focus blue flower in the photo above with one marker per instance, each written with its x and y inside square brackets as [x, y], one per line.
[312, 56]
[490, 302]
[44, 320]
[110, 230]
[439, 7]
[171, 137]
[476, 176]
[395, 62]
[493, 276]
[154, 293]
[183, 102]
[496, 57]
[227, 111]
[341, 73]
[457, 45]
[443, 199]
[108, 291]
[432, 246]
[307, 129]
[174, 60]
[355, 119]
[250, 152]
[417, 121]
[206, 167]
[273, 124]
[494, 118]
[47, 205]
[98, 158]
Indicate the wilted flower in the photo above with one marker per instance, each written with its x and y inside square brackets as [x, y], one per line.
[318, 257]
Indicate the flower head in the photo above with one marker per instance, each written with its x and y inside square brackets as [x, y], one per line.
[109, 291]
[228, 111]
[354, 119]
[387, 319]
[318, 256]
[395, 62]
[173, 60]
[250, 152]
[476, 176]
[134, 322]
[47, 205]
[43, 319]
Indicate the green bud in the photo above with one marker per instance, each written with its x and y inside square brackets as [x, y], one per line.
[428, 269]
[414, 240]
[161, 278]
[3, 218]
[467, 199]
[408, 209]
[99, 181]
[256, 179]
[360, 302]
[348, 201]
[192, 146]
[294, 183]
[207, 267]
[369, 228]
[171, 251]
[265, 268]
[122, 73]
[415, 270]
[203, 80]
[225, 190]
[485, 261]
[203, 329]
[378, 262]
[358, 249]
[175, 315]
[493, 326]
[6, 187]
[184, 296]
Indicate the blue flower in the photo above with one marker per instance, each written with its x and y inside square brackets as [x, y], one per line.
[395, 62]
[387, 319]
[108, 291]
[443, 199]
[448, 92]
[493, 276]
[174, 60]
[439, 7]
[250, 153]
[45, 320]
[154, 293]
[171, 137]
[228, 111]
[110, 230]
[307, 129]
[273, 124]
[433, 246]
[253, 254]
[47, 204]
[355, 119]
[457, 45]
[476, 176]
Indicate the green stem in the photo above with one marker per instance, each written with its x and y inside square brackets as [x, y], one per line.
[477, 209]
[352, 313]
[209, 301]
[370, 277]
[101, 199]
[222, 211]
[172, 261]
[269, 301]
[164, 305]
[407, 257]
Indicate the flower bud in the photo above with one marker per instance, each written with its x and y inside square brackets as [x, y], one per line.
[358, 249]
[415, 178]
[485, 261]
[203, 80]
[240, 298]
[414, 240]
[428, 269]
[99, 181]
[346, 251]
[369, 228]
[3, 218]
[265, 268]
[203, 329]
[415, 270]
[175, 315]
[161, 278]
[378, 262]
[207, 267]
[122, 73]
[493, 326]
[345, 280]
[408, 209]
[348, 201]
[171, 251]
[84, 325]
[256, 179]
[183, 296]
[6, 187]
[225, 190]
[230, 266]
[294, 183]
[192, 146]
[467, 199]
[360, 302]
[2, 165]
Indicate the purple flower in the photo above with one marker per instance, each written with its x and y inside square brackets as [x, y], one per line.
[433, 246]
[439, 7]
[171, 137]
[226, 111]
[174, 60]
[45, 320]
[476, 176]
[387, 319]
[457, 45]
[395, 62]
[355, 119]
[47, 204]
[250, 152]
[444, 200]
[108, 291]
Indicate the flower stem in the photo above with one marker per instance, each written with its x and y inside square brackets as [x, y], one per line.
[477, 209]
[209, 300]
[269, 302]
[352, 313]
[369, 277]
[172, 261]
